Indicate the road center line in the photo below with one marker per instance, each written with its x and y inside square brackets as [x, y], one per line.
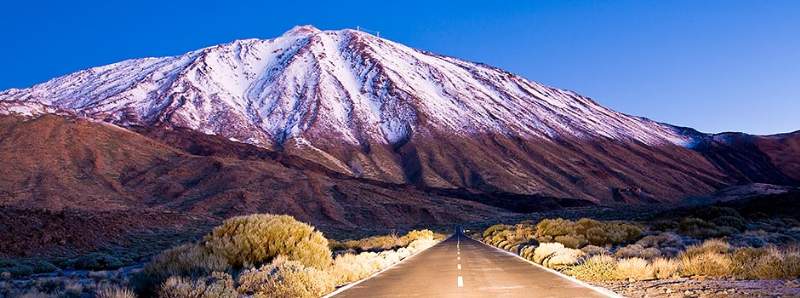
[459, 266]
[460, 281]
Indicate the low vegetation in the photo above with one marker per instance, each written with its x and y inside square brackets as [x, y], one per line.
[615, 250]
[271, 256]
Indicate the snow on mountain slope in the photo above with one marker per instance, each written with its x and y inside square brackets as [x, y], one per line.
[344, 84]
[368, 107]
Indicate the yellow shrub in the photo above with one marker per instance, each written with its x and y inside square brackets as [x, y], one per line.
[188, 260]
[596, 268]
[258, 238]
[706, 263]
[634, 268]
[665, 268]
[218, 285]
[545, 250]
[285, 278]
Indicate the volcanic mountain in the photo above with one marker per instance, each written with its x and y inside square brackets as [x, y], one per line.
[367, 111]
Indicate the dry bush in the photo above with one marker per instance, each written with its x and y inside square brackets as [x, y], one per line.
[548, 229]
[630, 251]
[593, 250]
[258, 238]
[417, 235]
[218, 285]
[352, 267]
[706, 263]
[665, 268]
[635, 268]
[563, 258]
[744, 260]
[285, 278]
[490, 231]
[545, 250]
[596, 268]
[114, 292]
[709, 246]
[666, 239]
[527, 252]
[188, 260]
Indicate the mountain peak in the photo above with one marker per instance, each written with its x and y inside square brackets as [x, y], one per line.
[302, 30]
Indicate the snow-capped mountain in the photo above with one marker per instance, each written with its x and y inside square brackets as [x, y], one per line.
[369, 107]
[345, 83]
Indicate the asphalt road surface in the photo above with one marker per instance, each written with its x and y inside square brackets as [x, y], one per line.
[463, 267]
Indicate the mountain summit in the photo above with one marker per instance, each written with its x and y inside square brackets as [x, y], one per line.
[372, 108]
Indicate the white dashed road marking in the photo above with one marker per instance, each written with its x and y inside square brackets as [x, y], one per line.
[460, 281]
[459, 266]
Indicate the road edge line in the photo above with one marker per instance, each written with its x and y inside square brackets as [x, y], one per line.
[601, 290]
[355, 283]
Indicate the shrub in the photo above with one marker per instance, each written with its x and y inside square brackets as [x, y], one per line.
[709, 246]
[545, 250]
[744, 260]
[572, 241]
[596, 268]
[635, 268]
[26, 267]
[352, 267]
[563, 257]
[706, 263]
[666, 239]
[665, 268]
[109, 291]
[417, 235]
[258, 238]
[96, 261]
[699, 228]
[769, 265]
[490, 231]
[592, 250]
[188, 260]
[550, 228]
[630, 251]
[217, 285]
[730, 221]
[285, 278]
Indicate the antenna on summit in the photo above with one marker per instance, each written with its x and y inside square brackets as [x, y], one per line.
[377, 33]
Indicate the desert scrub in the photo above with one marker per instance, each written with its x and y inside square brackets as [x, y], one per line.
[188, 260]
[219, 284]
[110, 291]
[634, 268]
[664, 268]
[285, 278]
[19, 268]
[586, 231]
[706, 263]
[257, 239]
[555, 255]
[596, 268]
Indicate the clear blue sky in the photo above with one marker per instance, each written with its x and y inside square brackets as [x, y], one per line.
[712, 65]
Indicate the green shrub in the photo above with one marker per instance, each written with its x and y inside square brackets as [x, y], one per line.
[188, 260]
[572, 241]
[699, 228]
[490, 231]
[96, 261]
[26, 267]
[730, 221]
[285, 278]
[550, 228]
[218, 285]
[596, 268]
[257, 239]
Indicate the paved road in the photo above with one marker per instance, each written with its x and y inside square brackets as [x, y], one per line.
[462, 267]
